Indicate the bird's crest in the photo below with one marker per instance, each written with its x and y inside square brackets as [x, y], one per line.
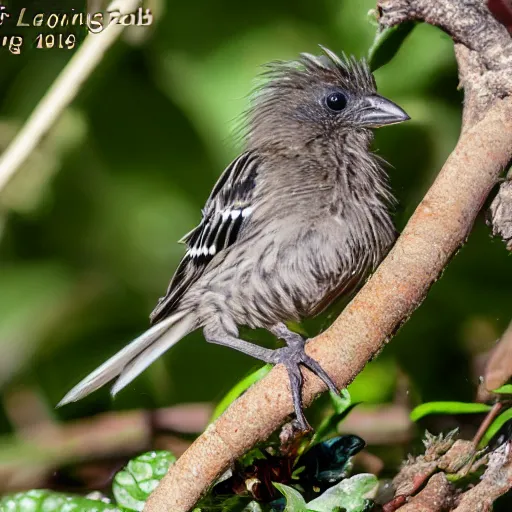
[348, 72]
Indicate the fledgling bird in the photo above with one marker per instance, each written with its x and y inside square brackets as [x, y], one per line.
[296, 221]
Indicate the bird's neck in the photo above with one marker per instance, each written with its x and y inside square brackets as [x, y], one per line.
[357, 173]
[340, 164]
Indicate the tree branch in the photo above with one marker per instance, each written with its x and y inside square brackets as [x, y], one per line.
[498, 369]
[495, 482]
[435, 232]
[437, 496]
[501, 213]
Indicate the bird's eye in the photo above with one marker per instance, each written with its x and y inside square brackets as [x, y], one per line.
[336, 101]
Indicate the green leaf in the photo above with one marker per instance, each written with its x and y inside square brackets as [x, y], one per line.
[341, 402]
[239, 388]
[387, 42]
[138, 479]
[294, 501]
[253, 506]
[48, 501]
[351, 495]
[447, 408]
[495, 426]
[342, 405]
[506, 389]
[237, 503]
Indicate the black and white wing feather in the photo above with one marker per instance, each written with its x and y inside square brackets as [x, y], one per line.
[225, 213]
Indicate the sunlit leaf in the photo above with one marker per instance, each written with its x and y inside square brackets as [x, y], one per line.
[341, 401]
[294, 501]
[504, 390]
[239, 388]
[495, 427]
[48, 501]
[351, 495]
[253, 506]
[447, 408]
[138, 479]
[387, 42]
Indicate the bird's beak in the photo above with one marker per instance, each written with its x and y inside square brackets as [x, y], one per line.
[378, 111]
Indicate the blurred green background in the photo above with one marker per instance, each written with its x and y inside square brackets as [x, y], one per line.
[88, 227]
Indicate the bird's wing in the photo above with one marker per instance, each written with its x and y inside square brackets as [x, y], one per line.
[225, 212]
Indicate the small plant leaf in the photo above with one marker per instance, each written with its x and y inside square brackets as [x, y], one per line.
[503, 390]
[253, 506]
[133, 484]
[351, 495]
[239, 388]
[48, 501]
[342, 405]
[495, 427]
[229, 503]
[341, 402]
[447, 408]
[387, 42]
[294, 501]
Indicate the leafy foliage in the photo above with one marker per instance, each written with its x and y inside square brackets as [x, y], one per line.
[305, 468]
[499, 431]
[351, 495]
[47, 501]
[387, 42]
[447, 408]
[342, 405]
[506, 389]
[131, 488]
[134, 484]
[294, 501]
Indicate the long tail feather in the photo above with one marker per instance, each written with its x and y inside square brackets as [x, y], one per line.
[121, 361]
[135, 367]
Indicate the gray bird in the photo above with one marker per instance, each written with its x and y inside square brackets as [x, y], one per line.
[297, 220]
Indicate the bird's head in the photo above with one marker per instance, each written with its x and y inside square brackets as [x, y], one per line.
[318, 96]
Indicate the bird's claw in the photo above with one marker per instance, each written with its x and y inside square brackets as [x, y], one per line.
[291, 357]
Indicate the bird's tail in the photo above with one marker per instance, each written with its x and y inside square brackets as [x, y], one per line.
[132, 360]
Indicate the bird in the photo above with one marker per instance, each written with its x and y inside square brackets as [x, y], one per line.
[296, 221]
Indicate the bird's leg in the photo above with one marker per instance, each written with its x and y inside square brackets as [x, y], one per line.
[223, 338]
[291, 356]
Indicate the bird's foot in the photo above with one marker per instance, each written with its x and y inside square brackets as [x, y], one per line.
[291, 357]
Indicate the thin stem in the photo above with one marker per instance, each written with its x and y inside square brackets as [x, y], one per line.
[61, 93]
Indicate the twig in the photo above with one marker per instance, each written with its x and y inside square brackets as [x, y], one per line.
[442, 453]
[61, 93]
[437, 229]
[437, 496]
[491, 416]
[416, 471]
